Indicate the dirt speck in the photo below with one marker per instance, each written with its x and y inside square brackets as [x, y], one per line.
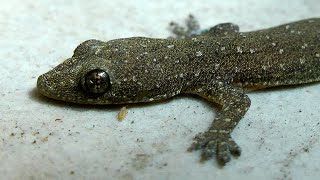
[140, 161]
[45, 139]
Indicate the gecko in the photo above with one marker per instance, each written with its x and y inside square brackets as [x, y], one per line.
[220, 65]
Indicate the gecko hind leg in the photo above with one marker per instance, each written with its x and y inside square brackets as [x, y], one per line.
[182, 32]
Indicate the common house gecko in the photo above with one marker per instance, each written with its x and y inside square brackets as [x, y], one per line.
[219, 64]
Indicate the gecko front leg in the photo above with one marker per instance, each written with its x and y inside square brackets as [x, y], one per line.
[193, 28]
[217, 140]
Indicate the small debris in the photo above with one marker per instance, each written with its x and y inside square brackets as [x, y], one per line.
[122, 113]
[45, 139]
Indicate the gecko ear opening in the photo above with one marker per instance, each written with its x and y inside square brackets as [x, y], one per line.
[96, 81]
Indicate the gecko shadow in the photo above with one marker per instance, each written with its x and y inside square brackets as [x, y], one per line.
[36, 96]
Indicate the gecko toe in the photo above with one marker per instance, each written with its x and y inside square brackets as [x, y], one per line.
[234, 148]
[194, 146]
[223, 153]
[199, 142]
[209, 150]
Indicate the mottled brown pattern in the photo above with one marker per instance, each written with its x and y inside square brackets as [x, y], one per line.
[219, 65]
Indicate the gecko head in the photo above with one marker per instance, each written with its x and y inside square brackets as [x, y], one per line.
[100, 73]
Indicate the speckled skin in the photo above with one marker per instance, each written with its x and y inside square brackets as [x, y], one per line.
[219, 65]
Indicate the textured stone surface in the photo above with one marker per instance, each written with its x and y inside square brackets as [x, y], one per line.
[46, 139]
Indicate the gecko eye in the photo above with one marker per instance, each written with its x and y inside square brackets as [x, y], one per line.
[96, 81]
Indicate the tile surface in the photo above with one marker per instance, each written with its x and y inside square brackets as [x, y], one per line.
[45, 139]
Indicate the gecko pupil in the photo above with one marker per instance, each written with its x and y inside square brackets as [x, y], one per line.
[96, 81]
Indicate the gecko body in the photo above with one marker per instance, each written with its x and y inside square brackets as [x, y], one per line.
[219, 64]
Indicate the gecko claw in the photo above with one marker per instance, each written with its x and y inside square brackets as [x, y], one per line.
[223, 154]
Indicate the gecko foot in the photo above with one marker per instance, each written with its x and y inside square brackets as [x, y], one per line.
[215, 142]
